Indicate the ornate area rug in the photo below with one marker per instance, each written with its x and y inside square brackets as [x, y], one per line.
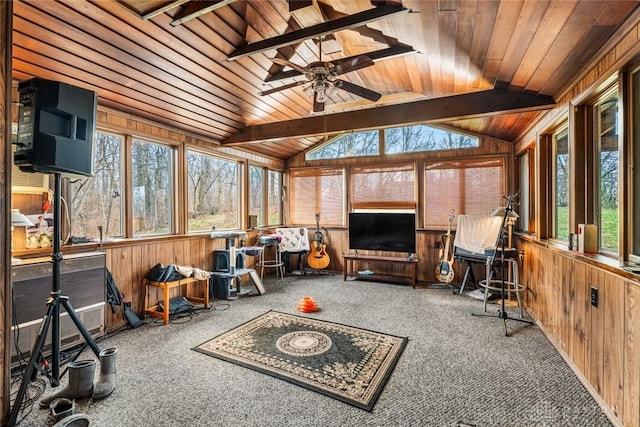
[346, 363]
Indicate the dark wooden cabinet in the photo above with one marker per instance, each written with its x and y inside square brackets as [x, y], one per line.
[82, 279]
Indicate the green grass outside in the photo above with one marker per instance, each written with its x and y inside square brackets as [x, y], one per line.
[608, 234]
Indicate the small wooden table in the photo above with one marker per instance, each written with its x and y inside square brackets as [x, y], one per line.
[351, 259]
[163, 314]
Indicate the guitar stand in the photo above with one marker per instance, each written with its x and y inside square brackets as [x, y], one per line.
[52, 317]
[502, 313]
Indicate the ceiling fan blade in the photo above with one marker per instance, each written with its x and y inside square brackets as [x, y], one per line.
[279, 88]
[358, 90]
[346, 65]
[318, 107]
[289, 64]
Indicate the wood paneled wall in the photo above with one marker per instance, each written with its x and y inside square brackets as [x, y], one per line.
[601, 343]
[6, 11]
[129, 262]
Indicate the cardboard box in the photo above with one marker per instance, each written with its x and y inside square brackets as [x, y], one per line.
[587, 238]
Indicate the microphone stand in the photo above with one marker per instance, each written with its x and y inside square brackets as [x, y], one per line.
[502, 313]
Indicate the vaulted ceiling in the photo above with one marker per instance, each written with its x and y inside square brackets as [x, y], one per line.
[235, 72]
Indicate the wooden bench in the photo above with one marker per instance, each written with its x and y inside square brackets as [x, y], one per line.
[160, 313]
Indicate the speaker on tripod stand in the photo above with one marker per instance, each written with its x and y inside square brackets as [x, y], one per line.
[56, 127]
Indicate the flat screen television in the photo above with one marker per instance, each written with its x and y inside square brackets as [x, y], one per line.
[393, 232]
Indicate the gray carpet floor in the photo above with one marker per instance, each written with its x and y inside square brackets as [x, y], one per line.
[457, 369]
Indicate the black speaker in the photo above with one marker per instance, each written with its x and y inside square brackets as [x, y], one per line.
[56, 127]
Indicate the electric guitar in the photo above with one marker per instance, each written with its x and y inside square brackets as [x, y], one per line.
[444, 270]
[318, 258]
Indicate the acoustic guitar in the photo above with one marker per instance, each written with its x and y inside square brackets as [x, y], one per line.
[318, 258]
[444, 270]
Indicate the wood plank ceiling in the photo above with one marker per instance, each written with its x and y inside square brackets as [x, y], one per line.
[201, 66]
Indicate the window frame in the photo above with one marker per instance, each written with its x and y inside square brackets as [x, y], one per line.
[604, 96]
[458, 165]
[397, 205]
[121, 189]
[385, 147]
[317, 173]
[240, 188]
[172, 223]
[553, 181]
[525, 178]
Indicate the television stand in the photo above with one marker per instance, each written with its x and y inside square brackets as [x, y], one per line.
[350, 261]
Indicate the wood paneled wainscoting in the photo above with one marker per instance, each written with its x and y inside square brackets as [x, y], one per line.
[601, 342]
[129, 261]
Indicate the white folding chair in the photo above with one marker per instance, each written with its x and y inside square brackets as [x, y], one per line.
[295, 241]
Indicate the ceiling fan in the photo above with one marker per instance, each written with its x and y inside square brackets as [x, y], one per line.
[321, 76]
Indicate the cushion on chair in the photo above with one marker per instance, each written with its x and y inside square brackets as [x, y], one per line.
[293, 239]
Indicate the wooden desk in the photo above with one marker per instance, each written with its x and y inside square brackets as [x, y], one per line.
[351, 259]
[163, 314]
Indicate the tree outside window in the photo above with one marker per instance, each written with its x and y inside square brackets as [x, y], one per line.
[606, 124]
[255, 193]
[213, 192]
[152, 184]
[409, 139]
[97, 201]
[560, 146]
[274, 201]
[354, 144]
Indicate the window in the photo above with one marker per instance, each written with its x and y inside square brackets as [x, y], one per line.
[561, 187]
[213, 192]
[269, 210]
[152, 188]
[634, 189]
[255, 193]
[405, 139]
[383, 187]
[409, 139]
[97, 201]
[352, 144]
[524, 192]
[274, 198]
[317, 190]
[469, 187]
[607, 176]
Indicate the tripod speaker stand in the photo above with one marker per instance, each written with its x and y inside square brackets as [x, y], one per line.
[502, 313]
[52, 317]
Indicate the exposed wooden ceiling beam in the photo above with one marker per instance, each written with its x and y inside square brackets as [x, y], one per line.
[350, 21]
[163, 9]
[197, 8]
[465, 106]
[387, 53]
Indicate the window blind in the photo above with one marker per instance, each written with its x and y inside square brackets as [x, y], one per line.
[383, 187]
[470, 187]
[317, 190]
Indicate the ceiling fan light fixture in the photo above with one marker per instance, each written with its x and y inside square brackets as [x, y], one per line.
[331, 90]
[309, 90]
